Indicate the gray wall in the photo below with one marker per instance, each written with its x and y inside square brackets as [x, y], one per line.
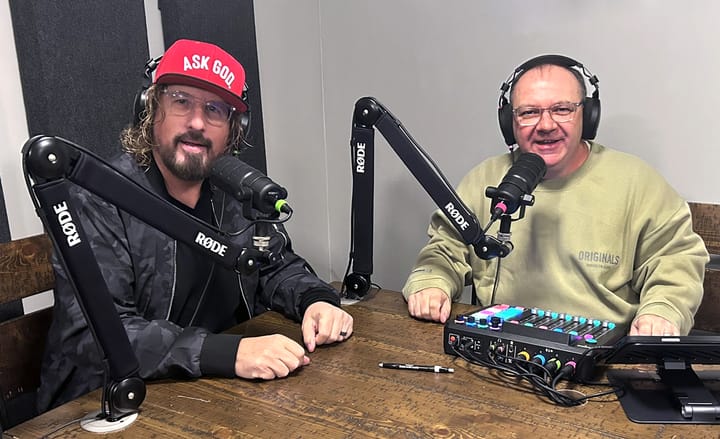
[437, 66]
[21, 217]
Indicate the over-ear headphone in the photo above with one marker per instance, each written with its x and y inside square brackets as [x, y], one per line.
[141, 98]
[591, 104]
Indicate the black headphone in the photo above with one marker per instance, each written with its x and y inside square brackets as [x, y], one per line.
[141, 98]
[591, 104]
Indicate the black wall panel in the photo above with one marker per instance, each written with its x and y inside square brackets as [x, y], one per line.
[81, 63]
[4, 226]
[229, 24]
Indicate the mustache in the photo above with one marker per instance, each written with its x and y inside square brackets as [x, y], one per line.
[194, 137]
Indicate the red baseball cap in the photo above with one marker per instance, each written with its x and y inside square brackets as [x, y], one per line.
[206, 66]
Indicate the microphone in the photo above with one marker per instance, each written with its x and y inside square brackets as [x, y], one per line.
[517, 185]
[244, 182]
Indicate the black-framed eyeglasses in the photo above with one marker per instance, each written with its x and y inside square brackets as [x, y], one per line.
[561, 112]
[180, 103]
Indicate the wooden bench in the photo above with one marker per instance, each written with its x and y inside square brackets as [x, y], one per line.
[706, 223]
[25, 270]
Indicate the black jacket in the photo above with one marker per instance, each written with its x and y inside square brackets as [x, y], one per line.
[138, 263]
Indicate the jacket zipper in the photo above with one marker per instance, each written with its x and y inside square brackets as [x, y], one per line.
[174, 268]
[242, 295]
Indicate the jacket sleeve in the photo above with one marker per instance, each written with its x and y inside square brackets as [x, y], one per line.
[290, 285]
[442, 263]
[670, 266]
[670, 257]
[162, 348]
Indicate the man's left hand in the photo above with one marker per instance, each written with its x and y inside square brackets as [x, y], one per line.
[325, 323]
[649, 324]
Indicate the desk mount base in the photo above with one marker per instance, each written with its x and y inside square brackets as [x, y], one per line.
[98, 424]
[649, 398]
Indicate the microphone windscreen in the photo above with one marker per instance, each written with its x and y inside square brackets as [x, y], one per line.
[522, 178]
[246, 183]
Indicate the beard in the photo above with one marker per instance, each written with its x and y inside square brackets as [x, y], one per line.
[194, 167]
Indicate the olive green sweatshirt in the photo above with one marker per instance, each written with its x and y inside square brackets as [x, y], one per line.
[610, 241]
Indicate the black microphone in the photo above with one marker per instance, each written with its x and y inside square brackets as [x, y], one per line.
[244, 182]
[522, 178]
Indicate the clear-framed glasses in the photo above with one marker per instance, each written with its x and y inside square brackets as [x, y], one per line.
[180, 103]
[561, 112]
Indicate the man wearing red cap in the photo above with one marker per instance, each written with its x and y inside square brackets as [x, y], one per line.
[173, 301]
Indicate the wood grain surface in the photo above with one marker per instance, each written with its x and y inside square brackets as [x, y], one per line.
[25, 267]
[343, 393]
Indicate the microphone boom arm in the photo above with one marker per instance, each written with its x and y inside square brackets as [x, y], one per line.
[368, 115]
[50, 165]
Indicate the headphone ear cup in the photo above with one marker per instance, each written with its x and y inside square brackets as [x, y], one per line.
[505, 117]
[245, 116]
[140, 105]
[245, 122]
[591, 117]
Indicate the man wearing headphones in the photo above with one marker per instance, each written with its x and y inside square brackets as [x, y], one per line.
[607, 237]
[173, 301]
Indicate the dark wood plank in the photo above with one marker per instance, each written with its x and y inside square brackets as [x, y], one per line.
[25, 270]
[708, 315]
[25, 267]
[23, 339]
[706, 223]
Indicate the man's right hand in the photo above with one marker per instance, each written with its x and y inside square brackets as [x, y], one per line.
[430, 304]
[268, 357]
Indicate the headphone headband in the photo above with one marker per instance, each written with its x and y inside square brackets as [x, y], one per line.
[556, 60]
[150, 66]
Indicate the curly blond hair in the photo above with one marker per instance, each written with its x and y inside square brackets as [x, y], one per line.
[138, 140]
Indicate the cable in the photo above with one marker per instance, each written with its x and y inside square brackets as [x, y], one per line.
[343, 289]
[351, 255]
[496, 282]
[533, 371]
[262, 220]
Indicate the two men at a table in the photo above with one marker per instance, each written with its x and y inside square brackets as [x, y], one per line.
[610, 239]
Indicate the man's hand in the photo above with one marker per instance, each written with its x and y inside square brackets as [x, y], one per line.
[648, 324]
[430, 304]
[325, 323]
[268, 357]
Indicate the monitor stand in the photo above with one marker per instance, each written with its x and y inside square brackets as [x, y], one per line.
[668, 396]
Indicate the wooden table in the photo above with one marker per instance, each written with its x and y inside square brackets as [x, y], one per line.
[343, 393]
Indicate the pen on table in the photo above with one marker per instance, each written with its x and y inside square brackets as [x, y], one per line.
[404, 366]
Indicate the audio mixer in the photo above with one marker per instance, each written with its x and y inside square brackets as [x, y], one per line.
[503, 333]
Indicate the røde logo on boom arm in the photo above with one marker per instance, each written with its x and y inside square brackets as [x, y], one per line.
[456, 216]
[210, 244]
[66, 224]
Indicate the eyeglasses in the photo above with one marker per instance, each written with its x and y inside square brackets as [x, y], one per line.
[180, 103]
[561, 112]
